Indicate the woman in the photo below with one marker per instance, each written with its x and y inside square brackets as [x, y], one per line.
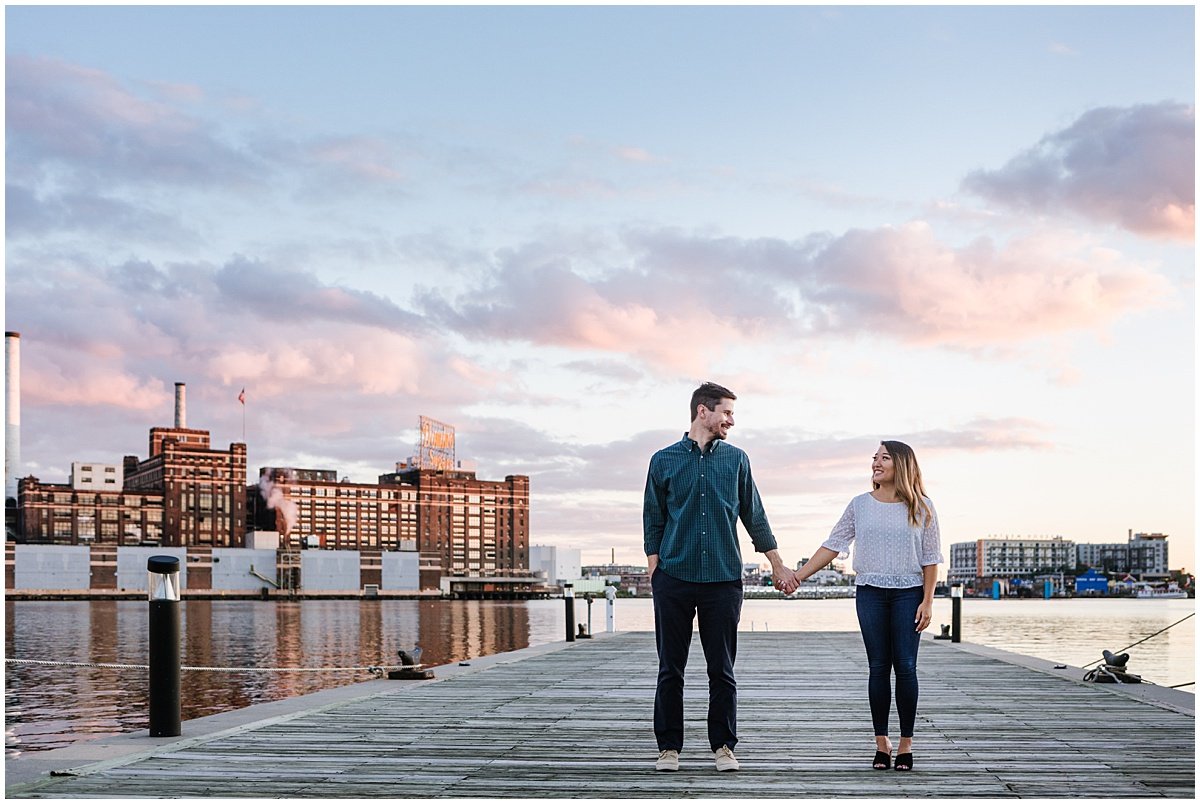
[895, 560]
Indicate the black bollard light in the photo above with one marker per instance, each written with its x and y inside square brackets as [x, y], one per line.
[164, 645]
[956, 595]
[569, 600]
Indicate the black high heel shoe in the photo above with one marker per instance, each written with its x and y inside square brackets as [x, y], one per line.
[904, 762]
[883, 760]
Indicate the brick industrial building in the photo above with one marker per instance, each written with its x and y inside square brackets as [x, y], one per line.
[476, 527]
[188, 495]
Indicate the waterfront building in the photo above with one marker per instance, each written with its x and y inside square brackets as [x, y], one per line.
[471, 527]
[1091, 583]
[66, 513]
[333, 515]
[962, 564]
[184, 494]
[1008, 558]
[203, 498]
[1112, 557]
[631, 578]
[612, 572]
[1142, 554]
[1148, 554]
[560, 564]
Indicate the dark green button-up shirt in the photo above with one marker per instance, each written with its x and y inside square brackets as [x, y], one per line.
[694, 499]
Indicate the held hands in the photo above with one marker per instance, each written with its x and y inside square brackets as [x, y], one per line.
[924, 615]
[785, 580]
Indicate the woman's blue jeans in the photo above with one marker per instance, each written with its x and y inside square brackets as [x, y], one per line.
[886, 619]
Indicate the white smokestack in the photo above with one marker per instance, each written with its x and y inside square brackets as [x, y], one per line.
[12, 412]
[180, 405]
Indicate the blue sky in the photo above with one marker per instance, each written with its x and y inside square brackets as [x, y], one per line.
[971, 229]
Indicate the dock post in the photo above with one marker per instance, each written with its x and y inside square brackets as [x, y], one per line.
[610, 596]
[588, 597]
[163, 638]
[956, 595]
[569, 601]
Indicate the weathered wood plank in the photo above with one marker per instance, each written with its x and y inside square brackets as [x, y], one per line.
[577, 723]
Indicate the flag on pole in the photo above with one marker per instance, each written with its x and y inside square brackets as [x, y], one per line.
[242, 396]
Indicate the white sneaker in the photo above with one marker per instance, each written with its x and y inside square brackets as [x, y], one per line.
[726, 761]
[667, 761]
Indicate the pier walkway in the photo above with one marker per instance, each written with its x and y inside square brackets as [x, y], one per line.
[573, 720]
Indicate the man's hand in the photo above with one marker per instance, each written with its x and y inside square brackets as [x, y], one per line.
[651, 564]
[784, 579]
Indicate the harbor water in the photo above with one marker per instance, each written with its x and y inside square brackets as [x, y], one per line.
[53, 705]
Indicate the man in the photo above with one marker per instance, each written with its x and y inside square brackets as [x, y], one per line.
[696, 490]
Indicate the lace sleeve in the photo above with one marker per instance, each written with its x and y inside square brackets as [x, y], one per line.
[931, 539]
[843, 532]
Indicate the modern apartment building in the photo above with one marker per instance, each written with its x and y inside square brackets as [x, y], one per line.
[1142, 554]
[1006, 558]
[1113, 557]
[1148, 554]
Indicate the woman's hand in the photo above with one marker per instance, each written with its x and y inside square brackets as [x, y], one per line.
[924, 614]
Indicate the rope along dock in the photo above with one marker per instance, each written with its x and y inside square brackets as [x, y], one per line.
[574, 720]
[375, 669]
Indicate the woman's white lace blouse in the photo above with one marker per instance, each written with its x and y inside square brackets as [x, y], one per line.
[889, 551]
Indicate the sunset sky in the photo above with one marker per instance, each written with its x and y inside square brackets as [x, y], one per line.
[970, 229]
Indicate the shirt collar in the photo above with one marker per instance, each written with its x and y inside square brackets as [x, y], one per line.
[690, 444]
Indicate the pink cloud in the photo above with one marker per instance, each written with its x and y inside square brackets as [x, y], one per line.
[899, 282]
[547, 303]
[904, 282]
[1133, 167]
[88, 384]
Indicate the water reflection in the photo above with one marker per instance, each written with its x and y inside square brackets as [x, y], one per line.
[52, 706]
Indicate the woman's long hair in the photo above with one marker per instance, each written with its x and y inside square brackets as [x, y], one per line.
[909, 486]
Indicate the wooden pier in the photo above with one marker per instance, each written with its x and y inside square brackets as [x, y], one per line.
[573, 720]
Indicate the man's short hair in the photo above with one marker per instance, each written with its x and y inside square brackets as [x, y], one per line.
[709, 395]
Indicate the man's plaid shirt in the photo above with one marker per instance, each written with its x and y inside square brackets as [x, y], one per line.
[694, 499]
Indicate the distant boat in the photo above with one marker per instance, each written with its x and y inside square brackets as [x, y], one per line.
[1171, 592]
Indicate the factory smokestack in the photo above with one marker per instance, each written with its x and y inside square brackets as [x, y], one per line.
[180, 405]
[12, 412]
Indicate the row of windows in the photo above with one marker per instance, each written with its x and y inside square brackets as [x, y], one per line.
[108, 514]
[87, 498]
